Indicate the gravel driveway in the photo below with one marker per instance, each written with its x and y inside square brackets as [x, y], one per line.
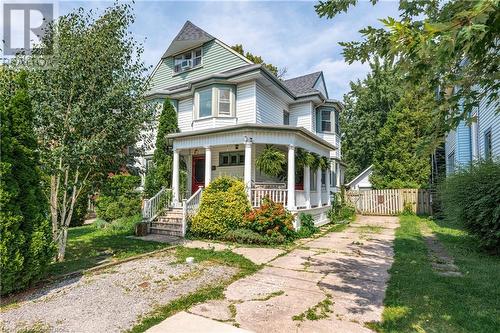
[110, 300]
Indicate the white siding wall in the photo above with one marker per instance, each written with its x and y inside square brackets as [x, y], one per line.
[246, 102]
[185, 114]
[269, 107]
[301, 115]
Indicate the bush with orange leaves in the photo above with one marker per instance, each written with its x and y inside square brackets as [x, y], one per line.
[271, 219]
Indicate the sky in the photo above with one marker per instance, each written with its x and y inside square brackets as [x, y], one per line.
[287, 34]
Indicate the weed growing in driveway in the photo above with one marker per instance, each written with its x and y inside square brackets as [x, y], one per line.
[321, 310]
[228, 258]
[271, 295]
[369, 229]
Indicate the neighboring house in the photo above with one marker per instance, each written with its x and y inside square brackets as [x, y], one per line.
[478, 140]
[229, 109]
[362, 181]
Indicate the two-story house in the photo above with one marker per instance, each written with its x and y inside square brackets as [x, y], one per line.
[479, 139]
[229, 109]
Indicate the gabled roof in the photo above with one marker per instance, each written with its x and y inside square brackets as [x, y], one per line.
[361, 175]
[189, 37]
[303, 84]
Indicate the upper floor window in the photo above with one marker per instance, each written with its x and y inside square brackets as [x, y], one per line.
[205, 102]
[187, 60]
[487, 144]
[225, 101]
[214, 101]
[286, 117]
[326, 122]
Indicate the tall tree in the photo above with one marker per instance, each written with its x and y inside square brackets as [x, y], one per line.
[280, 73]
[365, 112]
[26, 246]
[400, 160]
[161, 173]
[451, 45]
[89, 104]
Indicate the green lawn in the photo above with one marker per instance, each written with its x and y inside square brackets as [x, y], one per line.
[418, 300]
[88, 247]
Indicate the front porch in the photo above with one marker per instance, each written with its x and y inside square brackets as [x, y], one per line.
[233, 151]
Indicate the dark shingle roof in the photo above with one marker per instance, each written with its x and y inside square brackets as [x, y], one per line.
[191, 32]
[189, 36]
[303, 84]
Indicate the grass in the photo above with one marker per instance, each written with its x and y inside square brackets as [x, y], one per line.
[88, 247]
[419, 300]
[228, 258]
[321, 310]
[370, 229]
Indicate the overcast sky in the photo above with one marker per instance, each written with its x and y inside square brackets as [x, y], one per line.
[287, 34]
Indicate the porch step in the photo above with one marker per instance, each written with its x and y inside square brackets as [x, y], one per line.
[169, 220]
[170, 226]
[167, 232]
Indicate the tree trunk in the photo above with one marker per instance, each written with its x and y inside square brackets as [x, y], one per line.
[61, 244]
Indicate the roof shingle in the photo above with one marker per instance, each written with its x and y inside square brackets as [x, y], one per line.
[303, 84]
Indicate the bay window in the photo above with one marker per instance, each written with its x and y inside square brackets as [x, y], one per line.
[214, 101]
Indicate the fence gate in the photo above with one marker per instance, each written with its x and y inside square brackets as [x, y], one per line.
[390, 201]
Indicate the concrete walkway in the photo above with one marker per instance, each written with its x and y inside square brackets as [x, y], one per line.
[334, 283]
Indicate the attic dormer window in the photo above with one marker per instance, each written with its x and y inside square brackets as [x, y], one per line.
[187, 60]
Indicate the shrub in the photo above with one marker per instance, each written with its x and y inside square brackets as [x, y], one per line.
[26, 246]
[124, 225]
[307, 227]
[270, 219]
[471, 197]
[100, 223]
[247, 236]
[341, 211]
[223, 204]
[119, 198]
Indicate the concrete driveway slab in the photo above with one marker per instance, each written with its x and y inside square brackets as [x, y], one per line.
[258, 255]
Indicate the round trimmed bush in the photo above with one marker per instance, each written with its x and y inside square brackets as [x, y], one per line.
[223, 204]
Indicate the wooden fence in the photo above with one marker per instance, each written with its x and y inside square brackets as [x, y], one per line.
[390, 202]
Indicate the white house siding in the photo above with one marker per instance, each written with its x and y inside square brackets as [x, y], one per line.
[185, 115]
[246, 102]
[269, 107]
[216, 59]
[300, 115]
[488, 119]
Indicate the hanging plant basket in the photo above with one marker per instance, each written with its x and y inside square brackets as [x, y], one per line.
[271, 161]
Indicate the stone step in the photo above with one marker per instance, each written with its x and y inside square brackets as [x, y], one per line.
[168, 220]
[166, 226]
[163, 231]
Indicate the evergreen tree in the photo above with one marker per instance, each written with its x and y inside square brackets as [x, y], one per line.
[365, 112]
[26, 246]
[401, 160]
[160, 175]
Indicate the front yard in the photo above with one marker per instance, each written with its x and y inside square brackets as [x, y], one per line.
[88, 247]
[419, 300]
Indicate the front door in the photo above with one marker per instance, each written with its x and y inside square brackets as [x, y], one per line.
[198, 176]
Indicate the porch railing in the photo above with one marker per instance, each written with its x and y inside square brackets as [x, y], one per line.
[189, 207]
[155, 205]
[276, 195]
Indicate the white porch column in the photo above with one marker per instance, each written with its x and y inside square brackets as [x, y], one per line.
[318, 186]
[208, 165]
[291, 177]
[327, 181]
[175, 179]
[248, 169]
[307, 185]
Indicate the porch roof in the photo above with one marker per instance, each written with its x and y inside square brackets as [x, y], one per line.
[300, 131]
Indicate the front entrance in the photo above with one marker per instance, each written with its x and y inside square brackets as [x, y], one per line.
[198, 177]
